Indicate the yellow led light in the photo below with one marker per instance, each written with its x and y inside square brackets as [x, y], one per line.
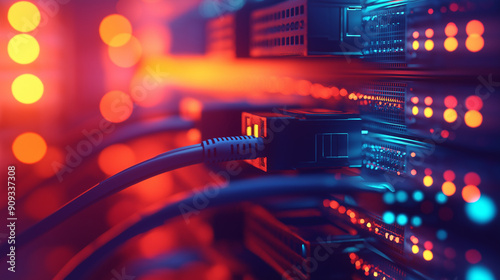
[24, 16]
[249, 131]
[27, 88]
[23, 48]
[414, 249]
[256, 130]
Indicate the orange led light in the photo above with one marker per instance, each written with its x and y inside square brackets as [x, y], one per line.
[448, 188]
[451, 30]
[414, 100]
[115, 30]
[474, 27]
[473, 118]
[116, 158]
[471, 193]
[29, 147]
[415, 34]
[116, 106]
[429, 33]
[334, 204]
[474, 43]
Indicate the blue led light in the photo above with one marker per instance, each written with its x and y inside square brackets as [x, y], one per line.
[482, 211]
[441, 234]
[416, 221]
[389, 198]
[389, 217]
[402, 219]
[441, 198]
[479, 272]
[418, 196]
[401, 196]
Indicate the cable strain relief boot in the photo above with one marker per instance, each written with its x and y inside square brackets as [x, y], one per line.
[232, 148]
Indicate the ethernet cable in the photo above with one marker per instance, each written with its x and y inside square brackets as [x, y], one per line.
[248, 190]
[130, 132]
[212, 150]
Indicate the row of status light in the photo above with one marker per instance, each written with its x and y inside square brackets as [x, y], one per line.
[473, 43]
[23, 48]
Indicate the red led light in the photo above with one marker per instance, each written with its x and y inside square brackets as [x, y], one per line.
[450, 101]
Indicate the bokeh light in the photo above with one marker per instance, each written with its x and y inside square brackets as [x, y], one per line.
[483, 211]
[115, 30]
[416, 221]
[471, 193]
[451, 44]
[474, 102]
[402, 219]
[27, 88]
[449, 175]
[428, 112]
[389, 217]
[415, 45]
[450, 101]
[415, 249]
[441, 198]
[429, 45]
[401, 196]
[389, 198]
[473, 256]
[442, 234]
[472, 178]
[474, 43]
[23, 48]
[116, 158]
[29, 147]
[473, 118]
[414, 110]
[116, 106]
[415, 34]
[428, 256]
[451, 29]
[418, 196]
[448, 188]
[474, 27]
[126, 55]
[479, 272]
[428, 101]
[428, 181]
[450, 115]
[24, 16]
[429, 33]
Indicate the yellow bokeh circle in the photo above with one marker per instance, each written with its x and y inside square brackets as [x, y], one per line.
[27, 88]
[24, 16]
[23, 49]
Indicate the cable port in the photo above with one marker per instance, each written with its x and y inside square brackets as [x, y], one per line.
[305, 138]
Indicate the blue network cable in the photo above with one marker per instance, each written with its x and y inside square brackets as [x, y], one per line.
[213, 150]
[248, 190]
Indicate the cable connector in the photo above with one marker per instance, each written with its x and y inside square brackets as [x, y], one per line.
[232, 148]
[305, 138]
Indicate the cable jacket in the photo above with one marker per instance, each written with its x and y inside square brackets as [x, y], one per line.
[83, 263]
